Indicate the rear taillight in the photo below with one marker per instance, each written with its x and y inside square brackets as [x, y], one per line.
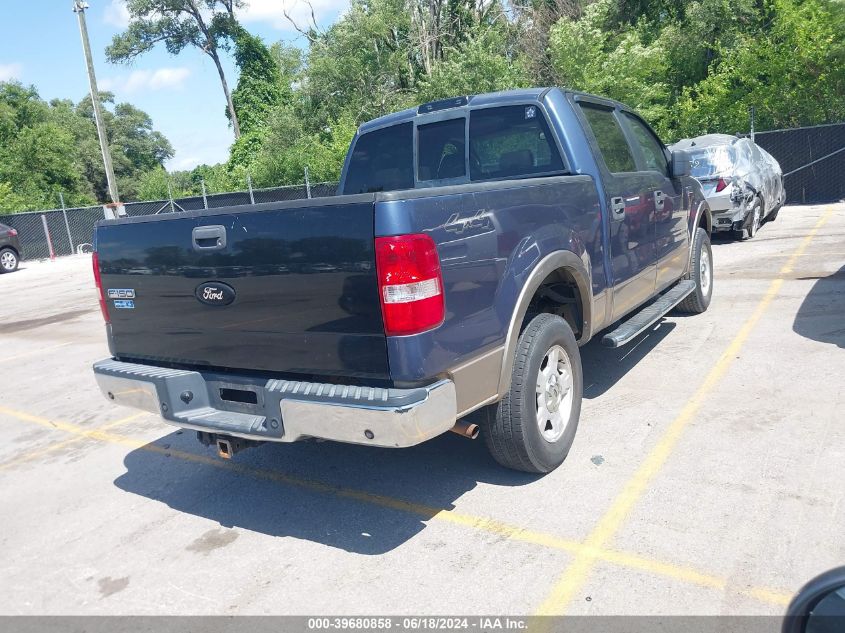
[95, 262]
[721, 184]
[410, 284]
[13, 232]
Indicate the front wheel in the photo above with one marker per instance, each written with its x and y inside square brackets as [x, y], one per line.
[701, 271]
[532, 428]
[8, 261]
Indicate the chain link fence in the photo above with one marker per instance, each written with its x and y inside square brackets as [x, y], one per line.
[71, 231]
[812, 160]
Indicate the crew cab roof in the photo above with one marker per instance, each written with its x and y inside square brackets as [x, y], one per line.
[504, 97]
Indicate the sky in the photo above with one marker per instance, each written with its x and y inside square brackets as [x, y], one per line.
[40, 45]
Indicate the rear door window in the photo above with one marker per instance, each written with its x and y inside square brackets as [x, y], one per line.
[610, 139]
[441, 150]
[651, 148]
[511, 142]
[383, 160]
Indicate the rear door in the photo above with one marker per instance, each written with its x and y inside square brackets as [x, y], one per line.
[631, 203]
[288, 287]
[671, 206]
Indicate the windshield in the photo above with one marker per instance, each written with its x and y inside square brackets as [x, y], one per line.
[711, 162]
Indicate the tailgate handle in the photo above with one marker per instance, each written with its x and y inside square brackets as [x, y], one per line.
[209, 238]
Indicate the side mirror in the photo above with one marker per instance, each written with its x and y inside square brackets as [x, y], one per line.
[819, 606]
[680, 163]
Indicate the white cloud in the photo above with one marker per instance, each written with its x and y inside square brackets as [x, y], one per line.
[192, 150]
[186, 163]
[116, 14]
[147, 80]
[10, 71]
[272, 11]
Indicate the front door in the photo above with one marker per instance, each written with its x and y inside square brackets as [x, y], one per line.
[631, 207]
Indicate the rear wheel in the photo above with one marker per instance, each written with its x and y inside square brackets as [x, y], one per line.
[533, 427]
[8, 260]
[701, 271]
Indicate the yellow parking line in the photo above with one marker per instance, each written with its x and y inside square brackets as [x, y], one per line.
[576, 574]
[490, 526]
[30, 455]
[34, 352]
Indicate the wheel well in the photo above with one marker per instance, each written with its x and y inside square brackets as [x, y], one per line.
[558, 294]
[705, 221]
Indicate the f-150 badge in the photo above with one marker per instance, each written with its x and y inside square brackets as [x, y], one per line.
[215, 293]
[121, 293]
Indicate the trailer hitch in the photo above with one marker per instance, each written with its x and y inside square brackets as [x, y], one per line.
[226, 445]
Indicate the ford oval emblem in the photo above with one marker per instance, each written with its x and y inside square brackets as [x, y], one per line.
[215, 293]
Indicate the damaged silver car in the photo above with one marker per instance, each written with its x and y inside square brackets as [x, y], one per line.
[742, 182]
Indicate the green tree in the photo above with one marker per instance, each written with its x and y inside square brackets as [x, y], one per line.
[260, 87]
[37, 154]
[135, 146]
[290, 147]
[158, 184]
[793, 73]
[484, 62]
[363, 64]
[623, 66]
[218, 179]
[10, 200]
[50, 148]
[206, 25]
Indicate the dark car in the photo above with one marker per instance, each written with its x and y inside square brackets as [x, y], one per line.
[10, 249]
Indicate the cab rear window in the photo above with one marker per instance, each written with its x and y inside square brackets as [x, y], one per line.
[504, 142]
[711, 162]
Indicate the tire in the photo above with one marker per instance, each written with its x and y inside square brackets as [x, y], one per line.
[701, 271]
[773, 215]
[756, 218]
[512, 429]
[8, 260]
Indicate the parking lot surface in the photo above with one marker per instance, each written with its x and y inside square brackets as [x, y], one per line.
[706, 476]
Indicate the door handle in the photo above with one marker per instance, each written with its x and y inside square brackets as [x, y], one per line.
[209, 238]
[659, 199]
[617, 205]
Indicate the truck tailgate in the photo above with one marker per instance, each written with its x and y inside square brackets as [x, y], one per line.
[279, 288]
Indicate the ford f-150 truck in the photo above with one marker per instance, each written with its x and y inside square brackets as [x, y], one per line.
[475, 243]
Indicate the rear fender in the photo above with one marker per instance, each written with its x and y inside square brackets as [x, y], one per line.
[534, 277]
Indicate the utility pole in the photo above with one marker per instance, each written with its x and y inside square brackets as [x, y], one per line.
[79, 8]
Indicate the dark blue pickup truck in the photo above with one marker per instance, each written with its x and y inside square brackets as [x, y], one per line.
[475, 243]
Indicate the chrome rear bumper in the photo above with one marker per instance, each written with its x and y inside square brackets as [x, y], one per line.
[278, 410]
